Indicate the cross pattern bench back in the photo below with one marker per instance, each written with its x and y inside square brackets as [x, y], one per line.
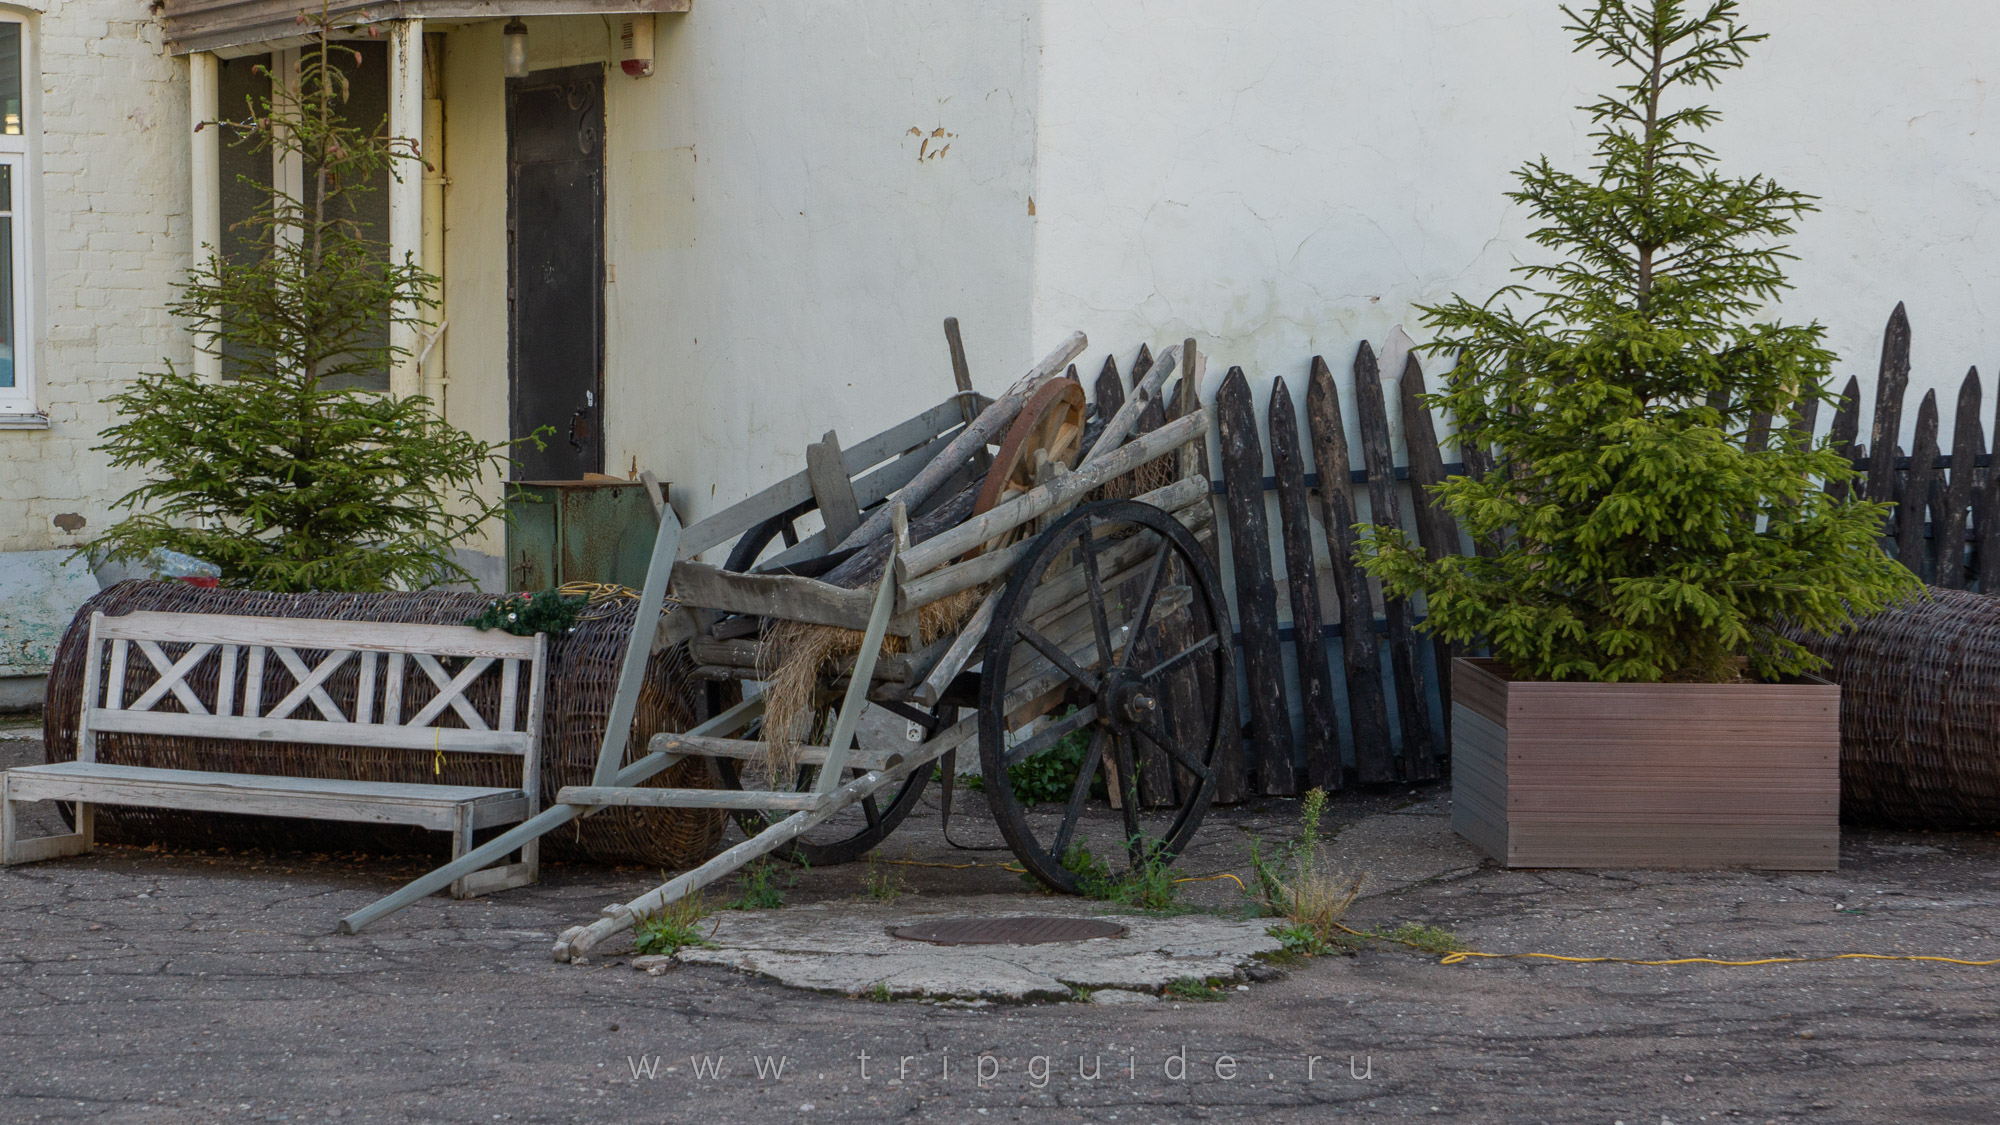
[244, 648]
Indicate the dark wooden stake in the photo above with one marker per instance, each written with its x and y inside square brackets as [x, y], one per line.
[1322, 737]
[1436, 530]
[1256, 593]
[1966, 439]
[1846, 426]
[1890, 386]
[1411, 705]
[1916, 488]
[1367, 710]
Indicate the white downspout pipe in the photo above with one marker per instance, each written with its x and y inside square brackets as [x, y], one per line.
[205, 220]
[406, 190]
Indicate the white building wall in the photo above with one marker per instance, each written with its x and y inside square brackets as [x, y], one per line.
[1292, 177]
[112, 224]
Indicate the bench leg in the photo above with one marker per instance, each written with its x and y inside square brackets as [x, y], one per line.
[499, 877]
[15, 850]
[461, 842]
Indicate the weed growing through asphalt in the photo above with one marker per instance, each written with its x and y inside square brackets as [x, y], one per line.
[880, 993]
[1427, 939]
[760, 889]
[1297, 886]
[672, 928]
[1195, 988]
[885, 883]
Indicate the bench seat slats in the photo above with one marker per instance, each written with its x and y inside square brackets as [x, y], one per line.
[382, 802]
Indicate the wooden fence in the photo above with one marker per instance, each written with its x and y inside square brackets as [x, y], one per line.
[1370, 703]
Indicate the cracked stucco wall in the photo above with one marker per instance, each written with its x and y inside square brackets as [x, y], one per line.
[1290, 177]
[113, 226]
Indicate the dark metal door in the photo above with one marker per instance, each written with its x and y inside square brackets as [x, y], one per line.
[555, 264]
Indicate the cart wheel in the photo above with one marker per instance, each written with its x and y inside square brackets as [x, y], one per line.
[1058, 674]
[1051, 423]
[849, 834]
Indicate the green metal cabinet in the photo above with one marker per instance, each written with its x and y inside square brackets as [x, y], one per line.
[562, 531]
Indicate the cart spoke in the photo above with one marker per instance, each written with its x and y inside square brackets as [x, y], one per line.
[1098, 622]
[1078, 794]
[1049, 735]
[1057, 656]
[1173, 663]
[1148, 727]
[1128, 786]
[1139, 619]
[872, 811]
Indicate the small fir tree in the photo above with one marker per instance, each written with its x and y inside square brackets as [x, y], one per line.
[1649, 520]
[282, 475]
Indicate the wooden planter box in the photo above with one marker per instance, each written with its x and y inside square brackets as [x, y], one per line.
[1646, 775]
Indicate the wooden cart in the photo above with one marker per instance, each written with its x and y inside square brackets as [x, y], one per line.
[1099, 621]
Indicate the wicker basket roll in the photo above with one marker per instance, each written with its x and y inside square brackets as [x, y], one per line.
[1920, 713]
[581, 678]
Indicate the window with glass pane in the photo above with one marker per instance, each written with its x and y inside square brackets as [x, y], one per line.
[10, 79]
[6, 275]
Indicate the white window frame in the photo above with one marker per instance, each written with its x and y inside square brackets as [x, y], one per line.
[19, 152]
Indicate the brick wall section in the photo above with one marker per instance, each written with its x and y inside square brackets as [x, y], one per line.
[114, 229]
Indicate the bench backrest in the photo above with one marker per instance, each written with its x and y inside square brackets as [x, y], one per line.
[307, 712]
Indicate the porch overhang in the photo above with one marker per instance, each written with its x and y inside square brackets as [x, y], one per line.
[240, 27]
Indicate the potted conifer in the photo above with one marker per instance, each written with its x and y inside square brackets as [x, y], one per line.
[1656, 514]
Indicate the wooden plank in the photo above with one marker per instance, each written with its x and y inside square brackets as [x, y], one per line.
[1967, 441]
[1846, 427]
[1060, 492]
[611, 795]
[1912, 513]
[753, 750]
[1412, 708]
[1891, 383]
[315, 731]
[1256, 593]
[987, 428]
[771, 595]
[302, 633]
[1322, 735]
[831, 489]
[1437, 532]
[961, 372]
[1367, 709]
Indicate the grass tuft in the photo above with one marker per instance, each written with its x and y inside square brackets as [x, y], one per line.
[674, 927]
[1298, 887]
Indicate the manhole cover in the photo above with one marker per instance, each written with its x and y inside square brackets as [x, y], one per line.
[1020, 930]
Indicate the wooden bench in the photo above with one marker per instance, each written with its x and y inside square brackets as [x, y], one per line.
[177, 644]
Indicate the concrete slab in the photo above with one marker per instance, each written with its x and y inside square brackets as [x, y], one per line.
[846, 948]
